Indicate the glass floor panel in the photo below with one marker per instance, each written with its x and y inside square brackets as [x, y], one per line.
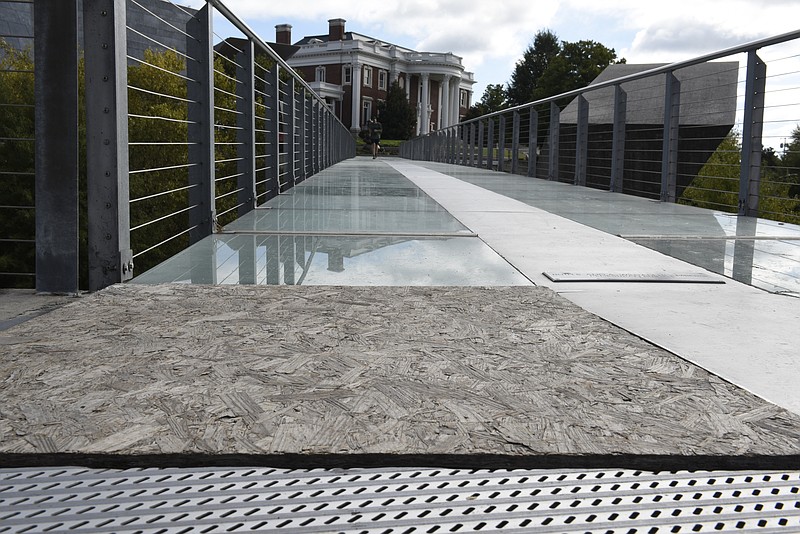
[336, 260]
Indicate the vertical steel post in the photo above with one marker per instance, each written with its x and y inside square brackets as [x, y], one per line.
[501, 143]
[490, 145]
[56, 147]
[472, 134]
[515, 143]
[273, 135]
[291, 126]
[750, 171]
[108, 192]
[582, 141]
[480, 144]
[555, 133]
[618, 140]
[669, 151]
[533, 142]
[246, 126]
[200, 92]
[303, 148]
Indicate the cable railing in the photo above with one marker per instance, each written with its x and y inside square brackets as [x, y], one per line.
[17, 224]
[720, 131]
[180, 129]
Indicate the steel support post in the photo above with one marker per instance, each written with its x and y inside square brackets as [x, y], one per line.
[303, 148]
[669, 151]
[56, 146]
[273, 134]
[480, 143]
[291, 130]
[472, 134]
[490, 145]
[309, 136]
[555, 133]
[533, 142]
[750, 171]
[618, 140]
[582, 141]
[246, 124]
[200, 92]
[515, 143]
[501, 143]
[108, 192]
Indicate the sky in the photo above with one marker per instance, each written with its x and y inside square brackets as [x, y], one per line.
[492, 36]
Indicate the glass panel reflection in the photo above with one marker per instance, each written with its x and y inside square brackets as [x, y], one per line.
[336, 260]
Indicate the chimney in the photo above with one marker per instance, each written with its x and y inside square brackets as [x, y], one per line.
[336, 29]
[283, 34]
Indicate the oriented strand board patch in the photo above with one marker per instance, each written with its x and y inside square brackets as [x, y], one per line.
[378, 372]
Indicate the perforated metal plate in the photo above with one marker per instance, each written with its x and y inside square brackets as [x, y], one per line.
[395, 501]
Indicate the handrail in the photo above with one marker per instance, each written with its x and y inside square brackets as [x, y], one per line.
[739, 49]
[245, 29]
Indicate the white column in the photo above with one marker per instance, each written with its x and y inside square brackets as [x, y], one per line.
[444, 103]
[456, 101]
[355, 80]
[425, 103]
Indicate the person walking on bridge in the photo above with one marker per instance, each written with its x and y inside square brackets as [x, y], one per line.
[375, 129]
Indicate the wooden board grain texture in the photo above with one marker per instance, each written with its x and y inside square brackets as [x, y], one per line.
[385, 374]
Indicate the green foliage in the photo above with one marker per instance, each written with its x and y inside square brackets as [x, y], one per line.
[494, 99]
[158, 155]
[17, 218]
[532, 66]
[575, 66]
[396, 114]
[549, 67]
[716, 186]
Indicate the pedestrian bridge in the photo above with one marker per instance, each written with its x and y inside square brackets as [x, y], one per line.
[515, 326]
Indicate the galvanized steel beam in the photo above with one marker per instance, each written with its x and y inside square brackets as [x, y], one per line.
[108, 191]
[246, 125]
[618, 140]
[55, 25]
[555, 133]
[200, 92]
[582, 141]
[669, 154]
[750, 171]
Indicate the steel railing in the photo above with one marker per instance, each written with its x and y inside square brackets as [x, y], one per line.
[720, 131]
[17, 225]
[184, 131]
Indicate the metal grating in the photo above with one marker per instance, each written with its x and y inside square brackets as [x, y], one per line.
[395, 501]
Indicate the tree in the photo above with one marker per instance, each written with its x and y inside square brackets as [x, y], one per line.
[575, 66]
[493, 99]
[396, 114]
[529, 69]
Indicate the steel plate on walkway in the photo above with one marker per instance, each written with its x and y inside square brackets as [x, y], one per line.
[395, 500]
[698, 278]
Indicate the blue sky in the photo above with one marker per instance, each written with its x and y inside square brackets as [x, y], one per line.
[491, 36]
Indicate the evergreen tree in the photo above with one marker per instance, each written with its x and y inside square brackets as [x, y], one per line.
[396, 115]
[531, 67]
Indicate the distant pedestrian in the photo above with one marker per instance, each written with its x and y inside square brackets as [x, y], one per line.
[375, 129]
